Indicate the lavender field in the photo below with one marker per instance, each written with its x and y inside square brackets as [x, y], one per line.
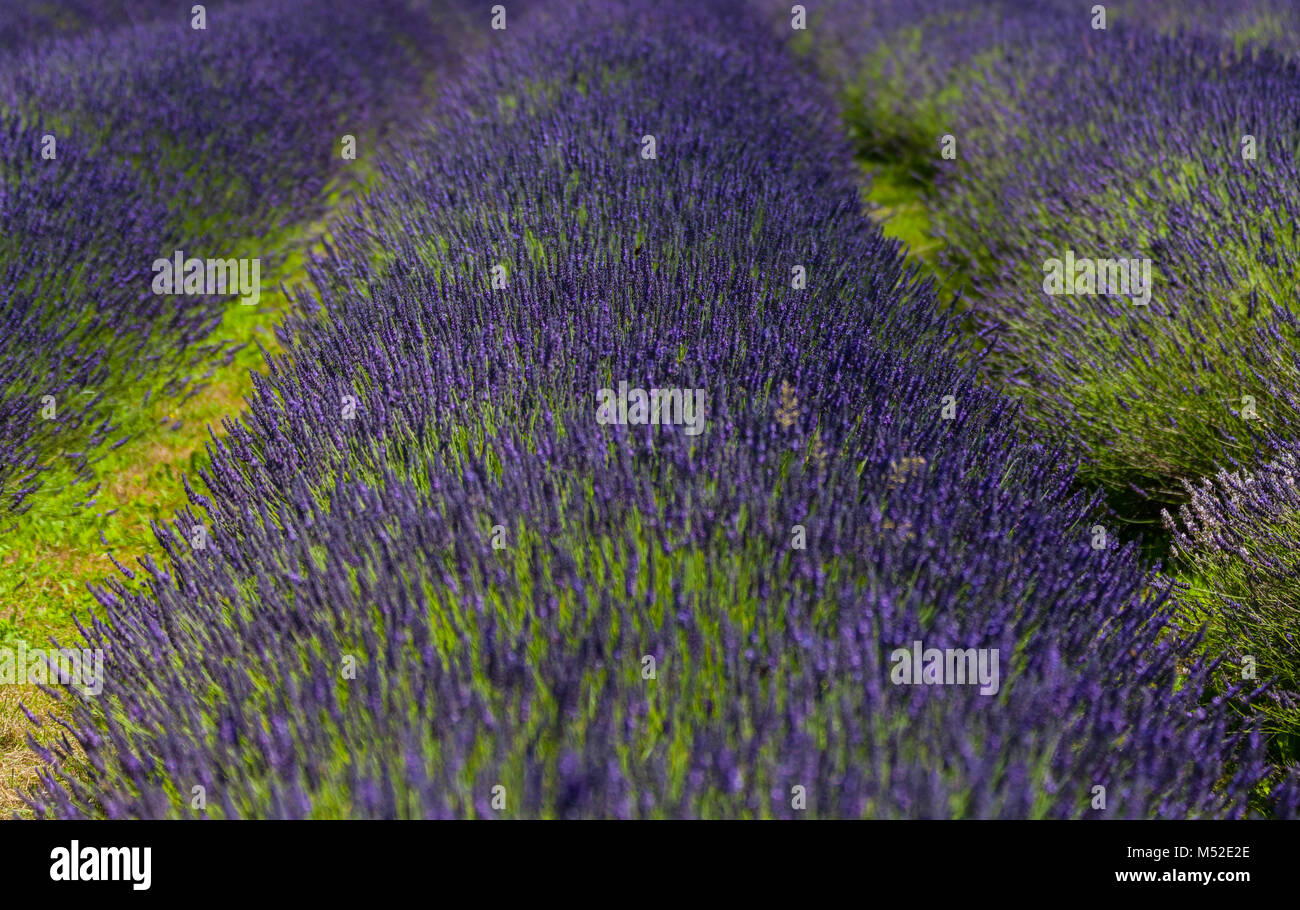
[649, 409]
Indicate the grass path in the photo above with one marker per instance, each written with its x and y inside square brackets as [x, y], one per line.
[896, 201]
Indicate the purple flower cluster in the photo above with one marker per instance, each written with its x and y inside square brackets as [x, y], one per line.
[431, 584]
[121, 146]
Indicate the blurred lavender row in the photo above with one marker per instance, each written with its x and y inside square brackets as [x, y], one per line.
[27, 23]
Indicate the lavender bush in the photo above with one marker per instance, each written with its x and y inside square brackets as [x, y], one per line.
[63, 233]
[1146, 394]
[1110, 143]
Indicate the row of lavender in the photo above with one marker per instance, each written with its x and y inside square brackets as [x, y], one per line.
[430, 577]
[1162, 136]
[24, 23]
[122, 146]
